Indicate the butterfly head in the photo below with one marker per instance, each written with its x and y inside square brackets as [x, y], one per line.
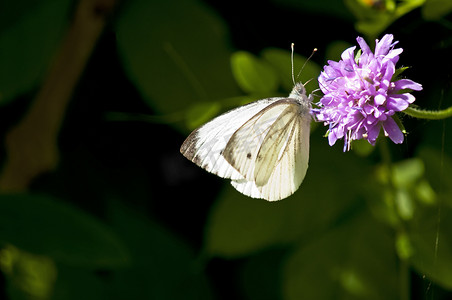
[299, 92]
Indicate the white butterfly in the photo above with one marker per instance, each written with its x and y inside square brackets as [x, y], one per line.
[263, 147]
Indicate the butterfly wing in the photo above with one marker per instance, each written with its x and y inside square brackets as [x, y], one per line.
[281, 160]
[205, 145]
[275, 144]
[243, 147]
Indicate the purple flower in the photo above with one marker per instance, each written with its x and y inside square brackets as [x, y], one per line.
[360, 97]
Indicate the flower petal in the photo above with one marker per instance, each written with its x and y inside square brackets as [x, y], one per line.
[399, 102]
[362, 43]
[407, 84]
[382, 46]
[393, 131]
[332, 138]
[373, 132]
[348, 56]
[387, 76]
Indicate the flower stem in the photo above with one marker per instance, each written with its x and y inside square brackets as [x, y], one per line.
[403, 271]
[429, 114]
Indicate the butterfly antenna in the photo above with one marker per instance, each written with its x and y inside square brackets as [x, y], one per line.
[310, 56]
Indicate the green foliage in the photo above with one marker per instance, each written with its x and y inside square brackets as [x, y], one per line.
[58, 231]
[352, 261]
[304, 70]
[362, 147]
[373, 17]
[258, 225]
[163, 50]
[261, 77]
[28, 39]
[335, 49]
[159, 259]
[30, 274]
[253, 75]
[200, 113]
[436, 9]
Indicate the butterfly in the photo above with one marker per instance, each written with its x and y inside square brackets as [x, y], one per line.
[263, 147]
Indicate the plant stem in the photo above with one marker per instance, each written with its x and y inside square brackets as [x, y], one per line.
[404, 270]
[429, 114]
[404, 278]
[31, 145]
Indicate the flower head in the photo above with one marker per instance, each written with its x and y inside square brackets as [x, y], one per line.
[360, 96]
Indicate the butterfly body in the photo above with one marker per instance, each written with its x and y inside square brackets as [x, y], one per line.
[263, 147]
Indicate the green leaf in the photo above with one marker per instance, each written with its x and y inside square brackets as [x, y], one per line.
[436, 9]
[362, 147]
[199, 114]
[437, 167]
[46, 226]
[335, 49]
[398, 72]
[168, 49]
[70, 279]
[280, 60]
[252, 74]
[239, 225]
[164, 266]
[375, 16]
[28, 43]
[354, 261]
[28, 276]
[404, 247]
[425, 193]
[407, 172]
[260, 276]
[431, 239]
[358, 55]
[404, 204]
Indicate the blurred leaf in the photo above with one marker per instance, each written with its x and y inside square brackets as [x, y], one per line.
[199, 114]
[353, 261]
[28, 43]
[436, 9]
[375, 16]
[381, 200]
[362, 147]
[28, 276]
[425, 193]
[239, 225]
[404, 203]
[437, 170]
[163, 266]
[280, 60]
[70, 279]
[358, 55]
[260, 276]
[405, 173]
[45, 226]
[403, 246]
[431, 238]
[335, 49]
[171, 66]
[252, 74]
